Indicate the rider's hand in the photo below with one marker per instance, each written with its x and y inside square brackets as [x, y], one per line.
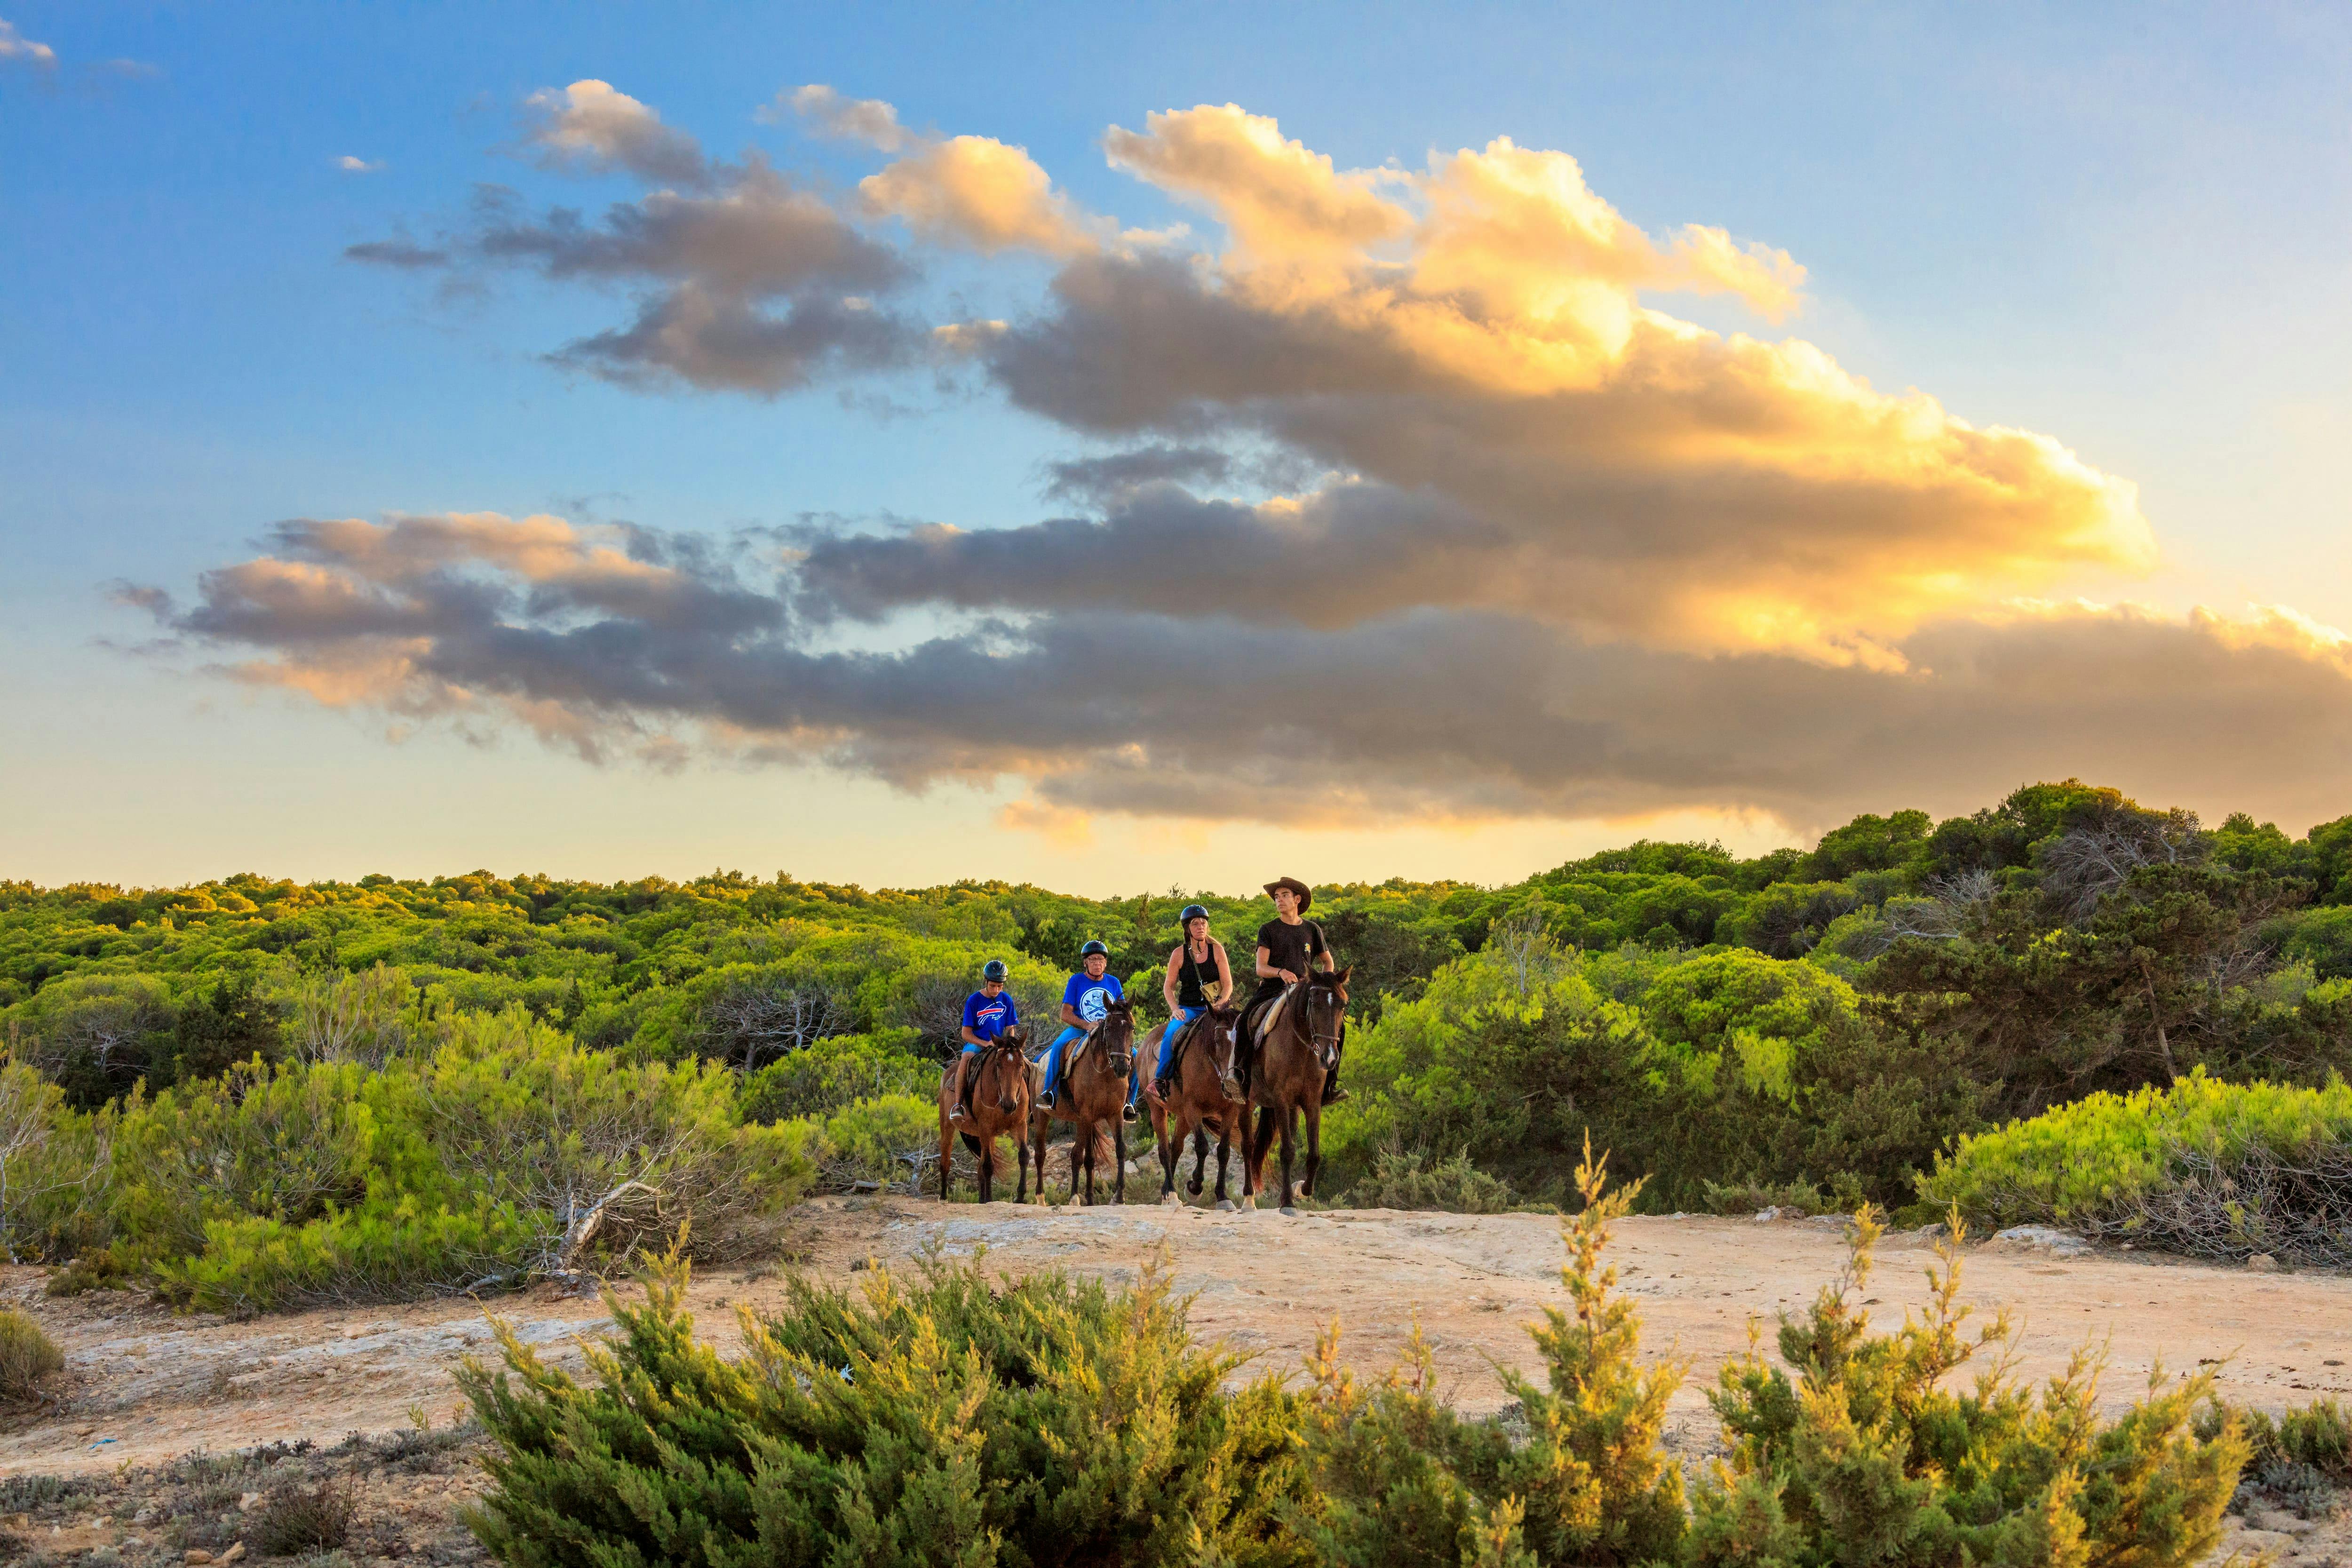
[1288, 978]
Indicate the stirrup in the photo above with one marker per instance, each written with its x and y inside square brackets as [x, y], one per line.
[1334, 1095]
[1046, 1099]
[1127, 1115]
[955, 1112]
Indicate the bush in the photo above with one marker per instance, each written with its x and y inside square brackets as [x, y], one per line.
[2300, 1461]
[865, 1140]
[2203, 1167]
[298, 1518]
[1397, 1477]
[1722, 1067]
[1753, 1197]
[957, 1420]
[1864, 1457]
[53, 1169]
[508, 1153]
[28, 1358]
[819, 1079]
[1404, 1181]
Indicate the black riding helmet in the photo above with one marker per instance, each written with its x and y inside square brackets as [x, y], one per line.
[1090, 949]
[1192, 912]
[994, 970]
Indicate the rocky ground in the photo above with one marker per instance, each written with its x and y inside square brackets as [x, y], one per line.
[180, 1434]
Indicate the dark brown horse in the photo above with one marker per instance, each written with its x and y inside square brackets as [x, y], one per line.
[1202, 1097]
[999, 1089]
[1095, 1076]
[1295, 1055]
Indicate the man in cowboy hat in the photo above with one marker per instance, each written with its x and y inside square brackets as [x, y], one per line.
[1287, 946]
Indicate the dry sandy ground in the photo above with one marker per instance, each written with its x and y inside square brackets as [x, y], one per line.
[145, 1385]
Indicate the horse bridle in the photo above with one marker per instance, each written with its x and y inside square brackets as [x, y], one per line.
[1325, 1045]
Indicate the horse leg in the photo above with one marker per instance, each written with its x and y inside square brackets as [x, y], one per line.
[1201, 1159]
[1225, 1147]
[1119, 1161]
[1254, 1152]
[988, 1168]
[1314, 1112]
[947, 1154]
[1021, 1143]
[1038, 1122]
[1289, 1144]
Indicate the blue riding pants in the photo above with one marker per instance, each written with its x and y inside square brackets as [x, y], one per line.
[1168, 1036]
[1053, 1056]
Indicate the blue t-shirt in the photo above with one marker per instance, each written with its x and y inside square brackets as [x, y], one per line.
[1086, 997]
[989, 1017]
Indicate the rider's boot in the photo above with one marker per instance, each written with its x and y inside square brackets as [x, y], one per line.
[1332, 1093]
[956, 1091]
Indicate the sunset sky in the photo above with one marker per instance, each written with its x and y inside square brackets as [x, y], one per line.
[1126, 447]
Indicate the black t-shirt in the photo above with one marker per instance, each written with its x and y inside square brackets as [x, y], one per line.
[1288, 947]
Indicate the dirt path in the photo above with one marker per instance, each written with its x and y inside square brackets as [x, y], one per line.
[146, 1386]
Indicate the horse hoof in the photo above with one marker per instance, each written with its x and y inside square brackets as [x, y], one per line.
[1225, 1205]
[1288, 1213]
[1170, 1201]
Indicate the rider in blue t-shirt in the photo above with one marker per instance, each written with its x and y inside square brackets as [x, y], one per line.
[1083, 1008]
[987, 1013]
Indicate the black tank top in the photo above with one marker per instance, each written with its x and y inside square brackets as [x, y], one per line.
[1195, 976]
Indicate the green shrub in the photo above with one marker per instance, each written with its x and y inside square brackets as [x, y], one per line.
[1743, 1198]
[1406, 1180]
[53, 1169]
[1863, 1456]
[1719, 1067]
[27, 1357]
[957, 1420]
[821, 1078]
[2203, 1167]
[1397, 1477]
[2300, 1461]
[509, 1151]
[864, 1141]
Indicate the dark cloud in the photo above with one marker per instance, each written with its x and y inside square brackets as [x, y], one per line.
[399, 253]
[748, 282]
[1099, 480]
[612, 642]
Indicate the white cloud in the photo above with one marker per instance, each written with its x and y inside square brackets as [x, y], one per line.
[352, 165]
[15, 45]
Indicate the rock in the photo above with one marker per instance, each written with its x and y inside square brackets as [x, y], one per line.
[234, 1554]
[246, 1504]
[102, 1557]
[197, 1557]
[1766, 1216]
[2263, 1263]
[2041, 1238]
[144, 1516]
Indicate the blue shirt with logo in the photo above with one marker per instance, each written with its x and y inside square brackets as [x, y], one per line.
[989, 1017]
[1087, 996]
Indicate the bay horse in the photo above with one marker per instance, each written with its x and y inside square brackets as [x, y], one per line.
[998, 1090]
[1203, 1098]
[1295, 1055]
[1096, 1072]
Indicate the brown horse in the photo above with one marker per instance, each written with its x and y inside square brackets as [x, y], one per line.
[1095, 1076]
[1294, 1057]
[1203, 1098]
[999, 1089]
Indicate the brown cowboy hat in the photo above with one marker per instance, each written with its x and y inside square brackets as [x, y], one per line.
[1306, 894]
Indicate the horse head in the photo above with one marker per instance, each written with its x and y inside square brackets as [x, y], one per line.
[1221, 1031]
[1325, 1013]
[1010, 1049]
[1117, 1033]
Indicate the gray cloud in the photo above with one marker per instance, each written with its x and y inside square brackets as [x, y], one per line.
[1100, 480]
[617, 641]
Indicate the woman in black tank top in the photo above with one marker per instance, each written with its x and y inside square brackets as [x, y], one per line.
[1198, 973]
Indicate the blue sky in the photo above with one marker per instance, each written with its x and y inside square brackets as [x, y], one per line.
[2123, 228]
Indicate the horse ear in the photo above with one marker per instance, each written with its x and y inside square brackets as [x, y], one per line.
[1340, 976]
